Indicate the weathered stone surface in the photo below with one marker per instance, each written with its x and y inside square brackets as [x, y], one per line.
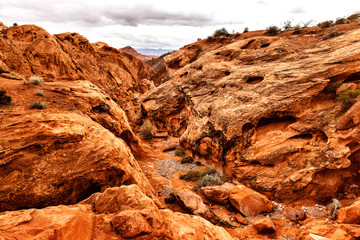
[267, 112]
[194, 203]
[328, 229]
[218, 194]
[169, 145]
[350, 214]
[66, 152]
[241, 219]
[264, 225]
[249, 202]
[118, 199]
[134, 220]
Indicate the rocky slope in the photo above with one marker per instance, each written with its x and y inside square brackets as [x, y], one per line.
[264, 108]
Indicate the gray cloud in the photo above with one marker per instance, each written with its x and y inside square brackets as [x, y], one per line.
[148, 15]
[87, 14]
[297, 10]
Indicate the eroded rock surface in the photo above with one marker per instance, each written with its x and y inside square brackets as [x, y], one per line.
[264, 109]
[136, 217]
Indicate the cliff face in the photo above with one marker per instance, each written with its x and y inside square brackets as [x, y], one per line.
[266, 108]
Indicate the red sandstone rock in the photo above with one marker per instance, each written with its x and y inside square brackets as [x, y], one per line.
[194, 203]
[169, 145]
[241, 219]
[264, 225]
[133, 220]
[218, 194]
[249, 202]
[263, 106]
[350, 214]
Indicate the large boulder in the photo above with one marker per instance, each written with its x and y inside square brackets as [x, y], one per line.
[193, 203]
[350, 214]
[249, 202]
[218, 194]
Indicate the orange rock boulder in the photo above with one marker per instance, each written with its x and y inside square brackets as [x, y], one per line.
[249, 202]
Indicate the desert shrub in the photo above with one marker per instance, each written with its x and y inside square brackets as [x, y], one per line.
[191, 175]
[307, 24]
[210, 180]
[187, 159]
[3, 71]
[179, 151]
[4, 99]
[171, 198]
[220, 32]
[199, 39]
[246, 29]
[198, 163]
[332, 87]
[287, 25]
[38, 105]
[210, 39]
[331, 32]
[348, 95]
[146, 130]
[36, 80]
[15, 24]
[39, 93]
[353, 17]
[341, 21]
[326, 24]
[272, 30]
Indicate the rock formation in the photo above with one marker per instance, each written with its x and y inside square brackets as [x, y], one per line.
[264, 109]
[270, 125]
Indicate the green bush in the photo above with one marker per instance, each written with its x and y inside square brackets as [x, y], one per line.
[39, 93]
[353, 17]
[36, 80]
[4, 99]
[348, 95]
[326, 24]
[272, 30]
[198, 163]
[220, 32]
[191, 175]
[246, 29]
[179, 151]
[211, 180]
[146, 131]
[187, 159]
[341, 21]
[38, 105]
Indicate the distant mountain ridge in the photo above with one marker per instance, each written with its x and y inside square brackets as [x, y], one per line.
[138, 55]
[153, 51]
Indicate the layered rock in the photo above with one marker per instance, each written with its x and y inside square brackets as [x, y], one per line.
[264, 109]
[66, 152]
[134, 217]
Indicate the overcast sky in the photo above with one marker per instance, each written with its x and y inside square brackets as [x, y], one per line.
[165, 23]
